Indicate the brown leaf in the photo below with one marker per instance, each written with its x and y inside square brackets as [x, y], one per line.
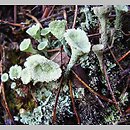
[57, 58]
[80, 72]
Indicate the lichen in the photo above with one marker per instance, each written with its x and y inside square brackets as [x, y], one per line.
[4, 77]
[102, 13]
[79, 43]
[13, 85]
[45, 31]
[42, 69]
[32, 118]
[119, 9]
[42, 44]
[98, 50]
[15, 72]
[57, 28]
[32, 31]
[26, 46]
[25, 76]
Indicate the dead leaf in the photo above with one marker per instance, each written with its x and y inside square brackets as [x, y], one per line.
[57, 58]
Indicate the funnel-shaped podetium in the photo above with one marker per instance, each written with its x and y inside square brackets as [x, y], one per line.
[57, 28]
[42, 45]
[102, 13]
[26, 46]
[4, 77]
[13, 85]
[120, 9]
[98, 50]
[32, 31]
[79, 44]
[41, 69]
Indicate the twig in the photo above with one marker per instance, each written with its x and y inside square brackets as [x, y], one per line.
[51, 10]
[61, 57]
[55, 15]
[99, 101]
[4, 102]
[56, 102]
[110, 89]
[34, 18]
[52, 16]
[115, 58]
[13, 24]
[75, 16]
[15, 13]
[91, 90]
[34, 98]
[125, 34]
[73, 103]
[124, 56]
[127, 85]
[53, 50]
[65, 17]
[46, 11]
[93, 35]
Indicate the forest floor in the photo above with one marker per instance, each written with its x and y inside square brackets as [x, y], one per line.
[90, 108]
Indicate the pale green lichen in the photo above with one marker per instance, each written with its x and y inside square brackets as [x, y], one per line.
[26, 46]
[124, 98]
[79, 43]
[98, 50]
[32, 118]
[42, 44]
[13, 85]
[102, 13]
[15, 72]
[25, 76]
[4, 77]
[57, 28]
[42, 69]
[90, 20]
[113, 116]
[119, 9]
[32, 31]
[45, 31]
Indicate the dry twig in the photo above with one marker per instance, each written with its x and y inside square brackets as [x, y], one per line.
[73, 103]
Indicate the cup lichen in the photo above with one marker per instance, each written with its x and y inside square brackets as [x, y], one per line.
[119, 9]
[57, 28]
[98, 50]
[42, 69]
[42, 44]
[26, 46]
[32, 31]
[102, 13]
[15, 72]
[79, 44]
[4, 77]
